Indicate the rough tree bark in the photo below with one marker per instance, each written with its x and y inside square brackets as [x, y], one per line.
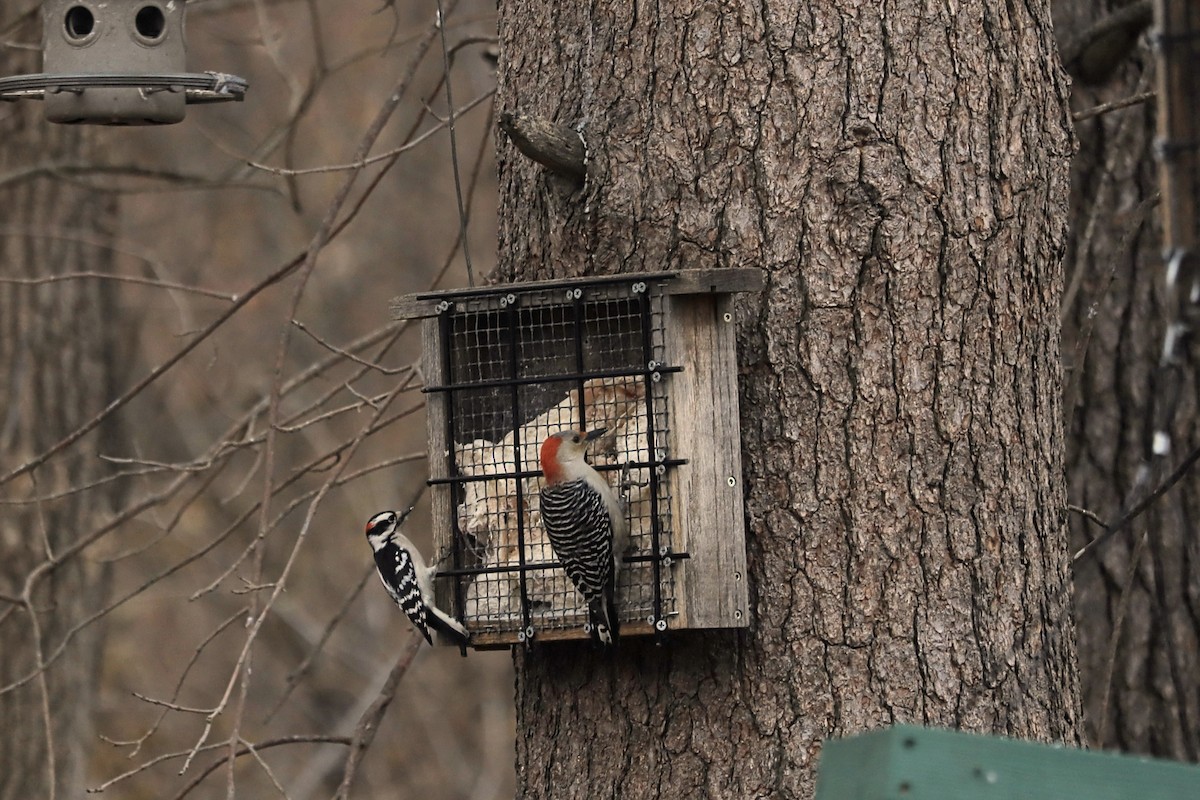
[1149, 700]
[902, 178]
[56, 371]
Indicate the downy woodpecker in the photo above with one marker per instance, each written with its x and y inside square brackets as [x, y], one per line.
[586, 527]
[408, 580]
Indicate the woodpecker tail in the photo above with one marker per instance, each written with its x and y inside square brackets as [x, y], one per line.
[449, 627]
[606, 628]
[423, 630]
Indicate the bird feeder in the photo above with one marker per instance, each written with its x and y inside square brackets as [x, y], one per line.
[117, 62]
[651, 359]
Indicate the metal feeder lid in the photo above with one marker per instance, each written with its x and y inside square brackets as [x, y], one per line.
[117, 62]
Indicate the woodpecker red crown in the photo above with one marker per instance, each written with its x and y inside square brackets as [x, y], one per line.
[549, 457]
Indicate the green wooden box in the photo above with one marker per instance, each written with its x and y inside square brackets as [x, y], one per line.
[913, 763]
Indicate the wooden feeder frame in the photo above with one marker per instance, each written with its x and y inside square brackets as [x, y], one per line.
[688, 569]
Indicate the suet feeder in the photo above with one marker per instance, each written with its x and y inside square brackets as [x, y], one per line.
[117, 62]
[649, 357]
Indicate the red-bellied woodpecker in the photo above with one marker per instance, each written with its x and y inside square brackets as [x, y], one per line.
[586, 526]
[407, 580]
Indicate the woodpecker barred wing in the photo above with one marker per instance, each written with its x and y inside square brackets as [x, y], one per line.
[399, 577]
[580, 531]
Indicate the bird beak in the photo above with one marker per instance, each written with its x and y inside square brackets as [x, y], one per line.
[404, 514]
[596, 434]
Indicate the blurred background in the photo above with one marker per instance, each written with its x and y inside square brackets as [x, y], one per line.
[194, 211]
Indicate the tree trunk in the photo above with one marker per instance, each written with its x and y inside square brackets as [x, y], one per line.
[1140, 692]
[56, 359]
[902, 178]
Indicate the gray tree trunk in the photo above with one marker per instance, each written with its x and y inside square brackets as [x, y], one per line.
[902, 178]
[56, 362]
[1140, 691]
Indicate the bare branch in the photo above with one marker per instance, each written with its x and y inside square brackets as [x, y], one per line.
[1085, 513]
[1114, 638]
[172, 706]
[484, 143]
[43, 530]
[368, 725]
[257, 619]
[39, 650]
[138, 742]
[1138, 509]
[367, 161]
[87, 275]
[72, 172]
[266, 744]
[452, 115]
[153, 375]
[1115, 105]
[267, 769]
[277, 275]
[79, 489]
[209, 479]
[296, 675]
[348, 355]
[172, 505]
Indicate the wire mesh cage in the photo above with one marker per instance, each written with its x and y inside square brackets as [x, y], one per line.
[506, 367]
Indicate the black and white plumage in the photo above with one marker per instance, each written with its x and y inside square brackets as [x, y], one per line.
[408, 580]
[586, 527]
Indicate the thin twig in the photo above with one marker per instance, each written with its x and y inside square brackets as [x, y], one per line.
[484, 143]
[167, 529]
[267, 769]
[78, 489]
[171, 706]
[154, 374]
[1141, 506]
[458, 192]
[208, 547]
[367, 161]
[350, 356]
[292, 506]
[263, 745]
[296, 675]
[140, 768]
[1099, 196]
[1110, 663]
[43, 528]
[199, 649]
[44, 692]
[160, 466]
[71, 172]
[1115, 105]
[369, 402]
[93, 275]
[1085, 513]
